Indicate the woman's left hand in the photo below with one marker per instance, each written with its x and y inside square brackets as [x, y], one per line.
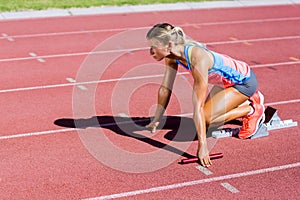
[153, 126]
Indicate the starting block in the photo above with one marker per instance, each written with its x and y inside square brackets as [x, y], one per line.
[272, 122]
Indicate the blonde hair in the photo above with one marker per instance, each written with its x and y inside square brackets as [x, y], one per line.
[165, 32]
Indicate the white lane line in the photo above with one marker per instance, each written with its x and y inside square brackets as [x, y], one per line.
[243, 21]
[36, 133]
[256, 40]
[84, 83]
[276, 64]
[38, 87]
[73, 54]
[9, 38]
[127, 79]
[71, 80]
[20, 135]
[197, 182]
[35, 56]
[204, 170]
[283, 102]
[230, 188]
[146, 48]
[147, 27]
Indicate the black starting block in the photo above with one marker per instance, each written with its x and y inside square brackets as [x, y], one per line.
[272, 122]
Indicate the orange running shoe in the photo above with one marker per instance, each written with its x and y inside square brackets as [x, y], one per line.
[257, 97]
[251, 122]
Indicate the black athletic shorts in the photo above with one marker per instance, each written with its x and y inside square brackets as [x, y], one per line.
[249, 87]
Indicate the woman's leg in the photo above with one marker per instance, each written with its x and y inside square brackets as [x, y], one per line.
[233, 114]
[225, 105]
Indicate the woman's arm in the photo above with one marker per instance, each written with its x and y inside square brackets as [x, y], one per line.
[201, 62]
[164, 93]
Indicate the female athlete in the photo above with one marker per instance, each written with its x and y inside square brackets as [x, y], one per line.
[238, 98]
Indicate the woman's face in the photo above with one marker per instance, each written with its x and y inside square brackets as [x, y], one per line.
[158, 50]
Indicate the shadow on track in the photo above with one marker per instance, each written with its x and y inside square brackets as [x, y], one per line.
[181, 128]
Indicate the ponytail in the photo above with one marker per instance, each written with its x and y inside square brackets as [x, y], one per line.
[177, 35]
[165, 32]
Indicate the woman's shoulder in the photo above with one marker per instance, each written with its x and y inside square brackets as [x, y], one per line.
[201, 55]
[197, 51]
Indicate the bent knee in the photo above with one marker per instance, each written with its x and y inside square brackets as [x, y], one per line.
[208, 118]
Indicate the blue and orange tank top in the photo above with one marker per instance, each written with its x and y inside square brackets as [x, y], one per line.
[225, 71]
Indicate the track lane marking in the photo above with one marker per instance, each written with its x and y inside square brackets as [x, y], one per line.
[204, 170]
[35, 56]
[229, 187]
[147, 48]
[9, 38]
[134, 28]
[71, 80]
[197, 182]
[128, 78]
[294, 58]
[123, 115]
[21, 135]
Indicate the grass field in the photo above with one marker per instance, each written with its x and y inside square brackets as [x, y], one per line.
[21, 5]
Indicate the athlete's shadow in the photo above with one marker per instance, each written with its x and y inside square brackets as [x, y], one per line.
[181, 129]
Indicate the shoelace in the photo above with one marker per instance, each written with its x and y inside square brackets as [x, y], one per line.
[245, 125]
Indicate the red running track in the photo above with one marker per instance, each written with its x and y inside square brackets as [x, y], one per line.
[40, 160]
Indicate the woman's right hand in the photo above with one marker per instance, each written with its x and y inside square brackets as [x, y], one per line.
[203, 155]
[153, 126]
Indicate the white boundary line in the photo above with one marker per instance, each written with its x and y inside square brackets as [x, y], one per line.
[76, 54]
[146, 48]
[126, 79]
[276, 64]
[132, 28]
[85, 83]
[283, 102]
[21, 135]
[256, 40]
[143, 8]
[71, 54]
[36, 133]
[197, 182]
